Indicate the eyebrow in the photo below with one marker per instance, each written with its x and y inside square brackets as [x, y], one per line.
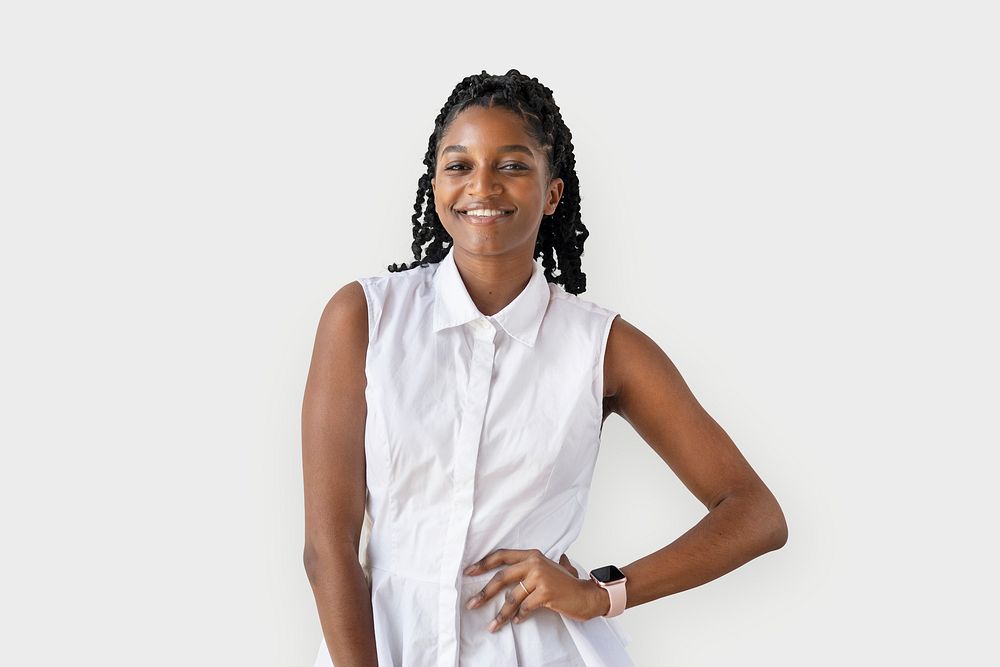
[509, 148]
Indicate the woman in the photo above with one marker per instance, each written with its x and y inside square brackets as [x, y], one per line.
[460, 401]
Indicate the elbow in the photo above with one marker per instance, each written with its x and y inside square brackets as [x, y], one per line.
[769, 520]
[319, 559]
[779, 536]
[310, 562]
[765, 520]
[314, 562]
[778, 528]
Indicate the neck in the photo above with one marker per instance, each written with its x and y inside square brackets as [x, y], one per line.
[493, 281]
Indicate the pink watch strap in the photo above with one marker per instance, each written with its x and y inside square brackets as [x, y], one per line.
[616, 591]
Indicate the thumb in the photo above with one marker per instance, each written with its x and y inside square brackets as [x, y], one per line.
[564, 561]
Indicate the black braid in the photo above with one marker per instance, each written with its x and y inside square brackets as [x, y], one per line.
[561, 235]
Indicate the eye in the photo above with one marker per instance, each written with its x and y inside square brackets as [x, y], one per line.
[517, 166]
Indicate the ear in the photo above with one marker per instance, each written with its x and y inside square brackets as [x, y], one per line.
[555, 194]
[433, 190]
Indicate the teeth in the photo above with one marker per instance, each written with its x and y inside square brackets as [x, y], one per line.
[483, 212]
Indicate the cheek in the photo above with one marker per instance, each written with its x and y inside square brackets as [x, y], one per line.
[444, 197]
[448, 221]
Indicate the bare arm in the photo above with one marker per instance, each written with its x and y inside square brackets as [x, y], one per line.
[744, 519]
[334, 412]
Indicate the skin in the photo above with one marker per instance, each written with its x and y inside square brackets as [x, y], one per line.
[642, 385]
[334, 411]
[495, 260]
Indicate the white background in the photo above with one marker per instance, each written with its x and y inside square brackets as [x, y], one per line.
[798, 201]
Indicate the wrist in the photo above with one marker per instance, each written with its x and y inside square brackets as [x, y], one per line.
[600, 599]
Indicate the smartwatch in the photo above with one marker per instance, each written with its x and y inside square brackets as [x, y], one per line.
[611, 579]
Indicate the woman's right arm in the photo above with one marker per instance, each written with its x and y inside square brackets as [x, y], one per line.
[334, 413]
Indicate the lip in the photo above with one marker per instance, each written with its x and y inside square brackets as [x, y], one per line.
[483, 220]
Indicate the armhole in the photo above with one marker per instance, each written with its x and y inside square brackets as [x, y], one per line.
[600, 366]
[366, 525]
[371, 305]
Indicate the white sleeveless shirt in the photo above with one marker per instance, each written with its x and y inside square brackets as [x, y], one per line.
[482, 433]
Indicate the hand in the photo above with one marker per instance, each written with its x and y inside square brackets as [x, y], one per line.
[551, 585]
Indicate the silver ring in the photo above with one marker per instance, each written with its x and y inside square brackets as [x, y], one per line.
[525, 589]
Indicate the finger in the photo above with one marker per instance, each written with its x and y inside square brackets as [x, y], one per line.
[501, 557]
[527, 607]
[524, 561]
[512, 601]
[565, 562]
[499, 582]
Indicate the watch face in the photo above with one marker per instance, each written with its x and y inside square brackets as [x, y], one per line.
[607, 574]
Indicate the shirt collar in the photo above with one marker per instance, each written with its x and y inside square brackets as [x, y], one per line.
[520, 318]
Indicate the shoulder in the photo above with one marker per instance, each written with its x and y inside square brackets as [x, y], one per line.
[356, 308]
[578, 308]
[634, 361]
[344, 321]
[378, 286]
[581, 314]
[346, 302]
[337, 366]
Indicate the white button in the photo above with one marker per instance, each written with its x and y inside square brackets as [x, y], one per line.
[484, 330]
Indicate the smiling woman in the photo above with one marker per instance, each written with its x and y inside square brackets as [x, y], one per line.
[501, 145]
[459, 401]
[484, 181]
[483, 212]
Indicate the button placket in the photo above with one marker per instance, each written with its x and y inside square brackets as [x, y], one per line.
[466, 456]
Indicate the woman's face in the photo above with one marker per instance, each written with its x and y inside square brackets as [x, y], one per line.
[486, 160]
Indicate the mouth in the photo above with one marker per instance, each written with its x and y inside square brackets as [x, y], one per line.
[485, 219]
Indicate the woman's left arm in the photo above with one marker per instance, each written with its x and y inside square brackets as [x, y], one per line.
[744, 519]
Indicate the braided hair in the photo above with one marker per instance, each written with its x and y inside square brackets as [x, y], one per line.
[561, 235]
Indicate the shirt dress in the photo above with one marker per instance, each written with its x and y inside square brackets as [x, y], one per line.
[482, 433]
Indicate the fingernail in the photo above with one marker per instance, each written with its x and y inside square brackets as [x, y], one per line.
[471, 603]
[470, 569]
[493, 625]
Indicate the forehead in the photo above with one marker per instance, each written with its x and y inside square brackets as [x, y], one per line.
[479, 128]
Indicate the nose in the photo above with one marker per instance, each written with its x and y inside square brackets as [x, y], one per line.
[483, 183]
